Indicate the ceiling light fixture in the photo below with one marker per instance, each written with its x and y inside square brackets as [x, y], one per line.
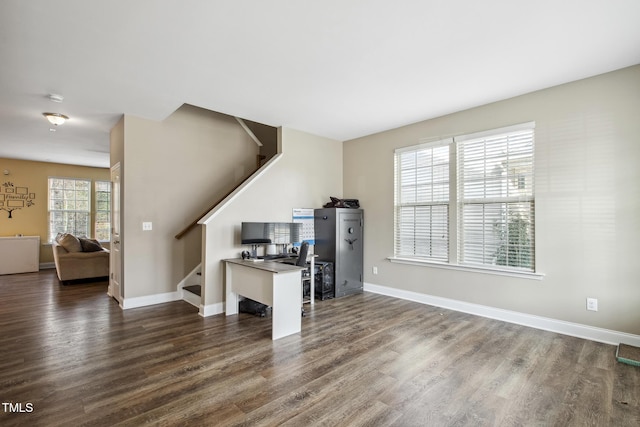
[55, 118]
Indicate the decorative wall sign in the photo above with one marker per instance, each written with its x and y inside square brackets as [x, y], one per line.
[13, 198]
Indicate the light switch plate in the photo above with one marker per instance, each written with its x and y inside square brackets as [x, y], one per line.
[147, 226]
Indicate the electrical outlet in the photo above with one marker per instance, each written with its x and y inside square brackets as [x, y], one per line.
[147, 226]
[375, 270]
[592, 304]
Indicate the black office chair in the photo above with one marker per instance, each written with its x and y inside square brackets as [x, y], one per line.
[302, 255]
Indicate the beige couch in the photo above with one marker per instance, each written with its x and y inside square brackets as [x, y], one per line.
[79, 260]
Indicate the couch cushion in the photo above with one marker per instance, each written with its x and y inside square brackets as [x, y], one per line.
[70, 242]
[90, 245]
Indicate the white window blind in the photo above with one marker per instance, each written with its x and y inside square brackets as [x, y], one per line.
[102, 223]
[422, 201]
[496, 198]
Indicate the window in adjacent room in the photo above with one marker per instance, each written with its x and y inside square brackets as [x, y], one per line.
[69, 206]
[102, 223]
[482, 184]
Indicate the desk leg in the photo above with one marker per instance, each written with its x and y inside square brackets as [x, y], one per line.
[231, 303]
[287, 303]
[313, 281]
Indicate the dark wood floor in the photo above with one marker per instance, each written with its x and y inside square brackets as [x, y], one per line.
[71, 353]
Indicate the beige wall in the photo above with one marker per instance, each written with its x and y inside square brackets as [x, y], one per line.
[34, 220]
[172, 171]
[587, 203]
[307, 174]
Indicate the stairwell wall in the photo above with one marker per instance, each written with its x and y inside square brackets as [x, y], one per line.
[307, 174]
[171, 171]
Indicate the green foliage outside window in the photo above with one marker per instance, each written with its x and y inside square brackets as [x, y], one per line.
[514, 233]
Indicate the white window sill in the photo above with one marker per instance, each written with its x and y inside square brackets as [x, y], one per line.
[474, 269]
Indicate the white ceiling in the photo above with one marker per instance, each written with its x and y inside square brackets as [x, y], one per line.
[335, 68]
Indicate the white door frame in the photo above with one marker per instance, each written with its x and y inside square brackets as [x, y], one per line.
[115, 263]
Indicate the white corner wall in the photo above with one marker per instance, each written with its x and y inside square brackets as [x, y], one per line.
[173, 171]
[587, 204]
[307, 174]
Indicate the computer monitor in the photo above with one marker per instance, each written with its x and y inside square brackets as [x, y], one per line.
[267, 233]
[253, 233]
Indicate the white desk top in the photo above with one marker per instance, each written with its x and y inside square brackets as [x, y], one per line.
[268, 265]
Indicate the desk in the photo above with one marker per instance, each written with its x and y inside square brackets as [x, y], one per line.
[311, 279]
[272, 283]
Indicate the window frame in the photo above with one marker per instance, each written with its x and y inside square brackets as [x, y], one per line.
[427, 204]
[91, 213]
[455, 206]
[52, 232]
[96, 210]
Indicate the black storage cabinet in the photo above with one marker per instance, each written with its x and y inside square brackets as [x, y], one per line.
[338, 239]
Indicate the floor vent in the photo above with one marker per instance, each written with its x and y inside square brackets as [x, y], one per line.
[628, 354]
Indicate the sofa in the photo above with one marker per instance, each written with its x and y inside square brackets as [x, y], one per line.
[79, 258]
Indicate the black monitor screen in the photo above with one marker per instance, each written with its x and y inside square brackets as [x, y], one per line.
[253, 233]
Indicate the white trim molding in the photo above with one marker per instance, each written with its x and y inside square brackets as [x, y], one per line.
[248, 131]
[191, 298]
[239, 190]
[150, 300]
[211, 309]
[472, 269]
[547, 324]
[191, 278]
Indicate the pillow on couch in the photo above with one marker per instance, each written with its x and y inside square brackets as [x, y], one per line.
[70, 242]
[90, 245]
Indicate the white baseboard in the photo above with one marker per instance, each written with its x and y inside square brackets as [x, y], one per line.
[547, 324]
[47, 265]
[211, 309]
[161, 298]
[150, 300]
[191, 298]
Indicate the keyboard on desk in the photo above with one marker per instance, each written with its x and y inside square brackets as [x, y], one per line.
[285, 260]
[274, 257]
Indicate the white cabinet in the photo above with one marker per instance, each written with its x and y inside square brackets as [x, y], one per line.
[19, 254]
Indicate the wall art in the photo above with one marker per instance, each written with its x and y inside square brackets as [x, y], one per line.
[13, 198]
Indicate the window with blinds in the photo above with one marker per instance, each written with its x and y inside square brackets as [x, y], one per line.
[490, 201]
[496, 199]
[69, 206]
[422, 201]
[102, 223]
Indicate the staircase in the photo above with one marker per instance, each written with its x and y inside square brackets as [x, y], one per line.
[268, 149]
[194, 289]
[190, 288]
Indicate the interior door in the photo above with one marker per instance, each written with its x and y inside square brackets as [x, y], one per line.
[115, 276]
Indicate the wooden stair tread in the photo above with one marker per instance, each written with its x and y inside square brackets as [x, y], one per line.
[194, 289]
